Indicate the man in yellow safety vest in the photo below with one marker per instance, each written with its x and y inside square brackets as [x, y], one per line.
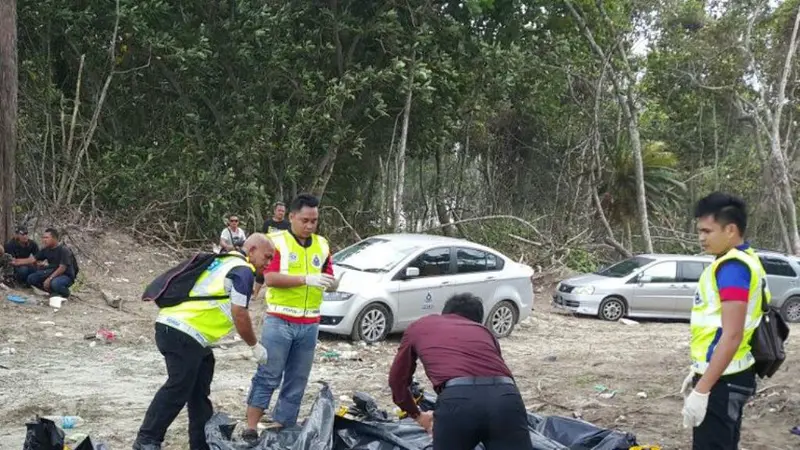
[217, 300]
[300, 271]
[726, 311]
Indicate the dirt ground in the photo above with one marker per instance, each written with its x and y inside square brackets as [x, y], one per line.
[560, 362]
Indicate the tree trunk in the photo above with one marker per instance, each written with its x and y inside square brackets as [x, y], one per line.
[630, 111]
[8, 113]
[399, 223]
[780, 171]
[641, 195]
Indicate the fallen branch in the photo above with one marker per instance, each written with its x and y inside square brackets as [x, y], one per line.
[495, 217]
[522, 239]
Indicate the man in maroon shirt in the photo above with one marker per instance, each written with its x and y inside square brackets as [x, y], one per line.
[478, 401]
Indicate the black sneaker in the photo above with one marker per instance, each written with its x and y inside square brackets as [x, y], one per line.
[250, 436]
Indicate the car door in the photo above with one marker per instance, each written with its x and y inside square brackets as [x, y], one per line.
[655, 290]
[425, 294]
[473, 275]
[781, 277]
[688, 276]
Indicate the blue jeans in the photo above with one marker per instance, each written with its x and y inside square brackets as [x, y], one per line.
[58, 285]
[21, 273]
[290, 354]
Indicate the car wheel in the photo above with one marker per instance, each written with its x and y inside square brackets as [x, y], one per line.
[791, 309]
[372, 324]
[612, 309]
[502, 319]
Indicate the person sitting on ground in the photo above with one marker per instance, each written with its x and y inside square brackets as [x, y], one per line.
[21, 247]
[478, 399]
[278, 221]
[232, 237]
[57, 266]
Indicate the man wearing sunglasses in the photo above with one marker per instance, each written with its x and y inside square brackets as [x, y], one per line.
[232, 237]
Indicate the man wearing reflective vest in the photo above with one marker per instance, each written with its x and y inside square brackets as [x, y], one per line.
[185, 331]
[300, 271]
[726, 311]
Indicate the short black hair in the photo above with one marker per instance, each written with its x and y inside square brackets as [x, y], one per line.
[53, 232]
[724, 208]
[302, 201]
[278, 204]
[465, 305]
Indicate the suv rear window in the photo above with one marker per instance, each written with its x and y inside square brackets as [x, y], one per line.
[779, 267]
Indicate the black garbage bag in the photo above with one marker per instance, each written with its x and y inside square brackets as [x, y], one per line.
[580, 435]
[323, 430]
[316, 433]
[43, 434]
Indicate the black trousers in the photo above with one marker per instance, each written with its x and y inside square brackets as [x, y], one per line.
[190, 368]
[491, 414]
[721, 427]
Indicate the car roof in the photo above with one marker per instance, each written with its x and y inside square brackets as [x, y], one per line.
[423, 239]
[675, 256]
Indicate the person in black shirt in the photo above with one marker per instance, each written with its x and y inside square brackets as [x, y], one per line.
[278, 221]
[21, 247]
[56, 263]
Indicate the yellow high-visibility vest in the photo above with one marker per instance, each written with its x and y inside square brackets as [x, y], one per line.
[300, 301]
[206, 320]
[706, 324]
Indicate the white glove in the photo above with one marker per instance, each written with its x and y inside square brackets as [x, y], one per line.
[686, 387]
[323, 281]
[259, 353]
[694, 409]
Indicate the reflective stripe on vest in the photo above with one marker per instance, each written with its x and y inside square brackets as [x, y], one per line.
[206, 320]
[300, 301]
[706, 324]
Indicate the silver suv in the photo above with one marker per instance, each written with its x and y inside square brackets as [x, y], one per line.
[783, 278]
[663, 286]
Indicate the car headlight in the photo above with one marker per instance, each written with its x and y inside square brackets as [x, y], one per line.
[584, 290]
[336, 296]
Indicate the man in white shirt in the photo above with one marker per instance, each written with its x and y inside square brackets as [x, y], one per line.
[232, 237]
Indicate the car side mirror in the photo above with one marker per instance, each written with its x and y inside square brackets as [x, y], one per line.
[645, 278]
[412, 272]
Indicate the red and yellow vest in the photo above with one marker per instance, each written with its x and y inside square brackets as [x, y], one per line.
[301, 302]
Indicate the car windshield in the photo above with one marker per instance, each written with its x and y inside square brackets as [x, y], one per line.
[626, 267]
[373, 255]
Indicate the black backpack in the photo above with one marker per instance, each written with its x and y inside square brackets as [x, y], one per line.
[172, 287]
[767, 343]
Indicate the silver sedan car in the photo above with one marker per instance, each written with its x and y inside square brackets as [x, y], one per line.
[389, 281]
[649, 285]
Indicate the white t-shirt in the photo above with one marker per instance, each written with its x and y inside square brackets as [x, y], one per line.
[229, 235]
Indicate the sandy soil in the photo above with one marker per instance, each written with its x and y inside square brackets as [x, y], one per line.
[560, 362]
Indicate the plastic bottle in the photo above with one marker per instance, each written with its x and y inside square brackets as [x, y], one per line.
[66, 422]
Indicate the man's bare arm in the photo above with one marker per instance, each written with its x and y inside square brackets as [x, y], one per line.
[280, 280]
[244, 326]
[734, 314]
[23, 261]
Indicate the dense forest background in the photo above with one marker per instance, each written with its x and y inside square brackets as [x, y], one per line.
[561, 131]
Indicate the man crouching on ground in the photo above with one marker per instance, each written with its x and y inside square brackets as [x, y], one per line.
[185, 331]
[478, 400]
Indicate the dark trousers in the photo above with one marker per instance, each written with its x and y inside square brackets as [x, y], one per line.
[491, 414]
[190, 368]
[721, 427]
[58, 285]
[21, 273]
